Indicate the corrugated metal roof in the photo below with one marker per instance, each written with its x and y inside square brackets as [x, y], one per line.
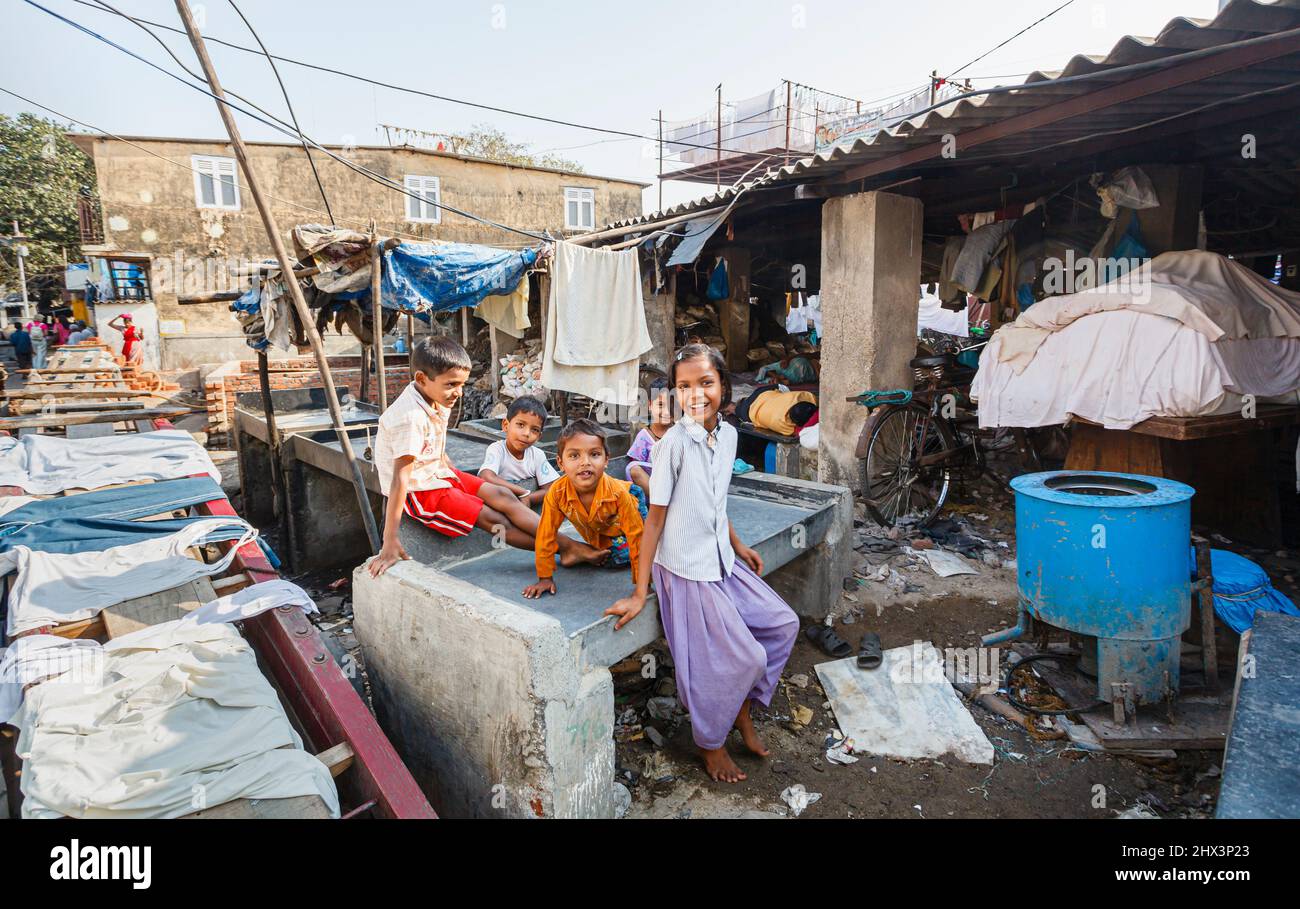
[1238, 21]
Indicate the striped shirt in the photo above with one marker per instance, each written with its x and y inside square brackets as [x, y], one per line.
[414, 427]
[692, 479]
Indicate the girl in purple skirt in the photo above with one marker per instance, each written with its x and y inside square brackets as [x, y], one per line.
[729, 633]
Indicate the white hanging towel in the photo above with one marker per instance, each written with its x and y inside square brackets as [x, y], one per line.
[595, 324]
[52, 588]
[179, 720]
[44, 465]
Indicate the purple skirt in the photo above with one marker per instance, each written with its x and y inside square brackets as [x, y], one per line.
[729, 639]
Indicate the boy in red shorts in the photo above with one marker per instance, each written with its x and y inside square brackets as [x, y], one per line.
[411, 459]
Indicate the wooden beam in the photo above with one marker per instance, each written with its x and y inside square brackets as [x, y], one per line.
[79, 393]
[338, 758]
[104, 416]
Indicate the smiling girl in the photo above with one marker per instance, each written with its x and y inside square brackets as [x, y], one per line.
[729, 633]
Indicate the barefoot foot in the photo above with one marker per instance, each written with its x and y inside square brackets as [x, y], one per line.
[719, 765]
[581, 553]
[748, 734]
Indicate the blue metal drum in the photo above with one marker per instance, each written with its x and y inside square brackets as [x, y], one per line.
[1104, 555]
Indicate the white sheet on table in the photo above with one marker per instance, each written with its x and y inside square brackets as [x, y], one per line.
[52, 588]
[44, 465]
[1119, 368]
[1214, 295]
[36, 657]
[183, 720]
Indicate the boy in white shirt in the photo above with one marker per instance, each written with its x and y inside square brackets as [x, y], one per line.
[517, 458]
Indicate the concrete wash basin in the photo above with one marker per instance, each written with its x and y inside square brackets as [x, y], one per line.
[504, 707]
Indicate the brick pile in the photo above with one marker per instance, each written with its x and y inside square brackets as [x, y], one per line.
[222, 385]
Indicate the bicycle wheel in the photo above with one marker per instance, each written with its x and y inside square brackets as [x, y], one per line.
[895, 484]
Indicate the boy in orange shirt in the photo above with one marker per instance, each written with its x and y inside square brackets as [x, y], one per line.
[600, 508]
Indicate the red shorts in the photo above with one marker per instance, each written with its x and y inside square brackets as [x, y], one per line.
[452, 510]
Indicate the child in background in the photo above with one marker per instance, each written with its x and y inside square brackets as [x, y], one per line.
[661, 420]
[729, 633]
[516, 458]
[601, 508]
[419, 478]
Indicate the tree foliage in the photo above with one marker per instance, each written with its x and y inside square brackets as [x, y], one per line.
[42, 174]
[485, 141]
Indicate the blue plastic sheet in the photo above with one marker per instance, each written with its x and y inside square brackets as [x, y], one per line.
[1241, 588]
[440, 277]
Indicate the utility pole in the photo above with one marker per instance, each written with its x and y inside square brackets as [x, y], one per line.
[788, 94]
[934, 85]
[20, 251]
[286, 272]
[719, 172]
[661, 160]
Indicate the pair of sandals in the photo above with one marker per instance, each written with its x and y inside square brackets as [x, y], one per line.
[870, 654]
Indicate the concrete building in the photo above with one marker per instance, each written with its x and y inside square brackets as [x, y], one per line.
[175, 217]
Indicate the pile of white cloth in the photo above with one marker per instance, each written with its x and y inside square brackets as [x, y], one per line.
[45, 465]
[53, 588]
[1187, 334]
[595, 324]
[160, 723]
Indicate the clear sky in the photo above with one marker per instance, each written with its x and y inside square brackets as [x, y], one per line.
[612, 64]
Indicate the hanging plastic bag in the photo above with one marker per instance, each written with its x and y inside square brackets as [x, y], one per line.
[719, 286]
[796, 317]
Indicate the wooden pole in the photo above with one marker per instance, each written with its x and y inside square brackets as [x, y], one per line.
[719, 173]
[410, 345]
[286, 269]
[277, 468]
[464, 327]
[495, 366]
[788, 94]
[377, 315]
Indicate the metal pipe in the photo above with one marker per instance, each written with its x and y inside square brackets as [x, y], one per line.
[1008, 634]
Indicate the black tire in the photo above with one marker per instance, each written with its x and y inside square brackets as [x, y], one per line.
[892, 485]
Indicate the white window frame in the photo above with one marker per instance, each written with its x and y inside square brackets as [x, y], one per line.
[423, 186]
[215, 167]
[583, 195]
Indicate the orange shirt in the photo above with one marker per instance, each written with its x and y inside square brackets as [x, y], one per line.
[613, 511]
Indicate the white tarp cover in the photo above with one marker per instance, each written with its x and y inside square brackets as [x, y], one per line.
[904, 708]
[1200, 333]
[180, 719]
[45, 465]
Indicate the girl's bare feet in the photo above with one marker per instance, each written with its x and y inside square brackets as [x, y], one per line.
[719, 765]
[745, 726]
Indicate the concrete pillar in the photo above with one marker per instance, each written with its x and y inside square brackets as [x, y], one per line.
[870, 280]
[733, 314]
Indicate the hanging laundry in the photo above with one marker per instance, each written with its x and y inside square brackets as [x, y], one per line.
[507, 313]
[595, 325]
[719, 286]
[976, 255]
[44, 465]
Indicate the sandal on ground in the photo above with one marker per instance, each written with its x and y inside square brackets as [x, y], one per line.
[869, 652]
[828, 641]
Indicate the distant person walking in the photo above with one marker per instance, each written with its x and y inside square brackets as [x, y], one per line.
[132, 339]
[22, 344]
[40, 344]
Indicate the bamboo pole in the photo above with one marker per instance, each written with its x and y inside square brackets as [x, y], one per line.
[286, 268]
[377, 316]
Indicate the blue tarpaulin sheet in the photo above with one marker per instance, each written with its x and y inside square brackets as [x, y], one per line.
[1242, 588]
[439, 277]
